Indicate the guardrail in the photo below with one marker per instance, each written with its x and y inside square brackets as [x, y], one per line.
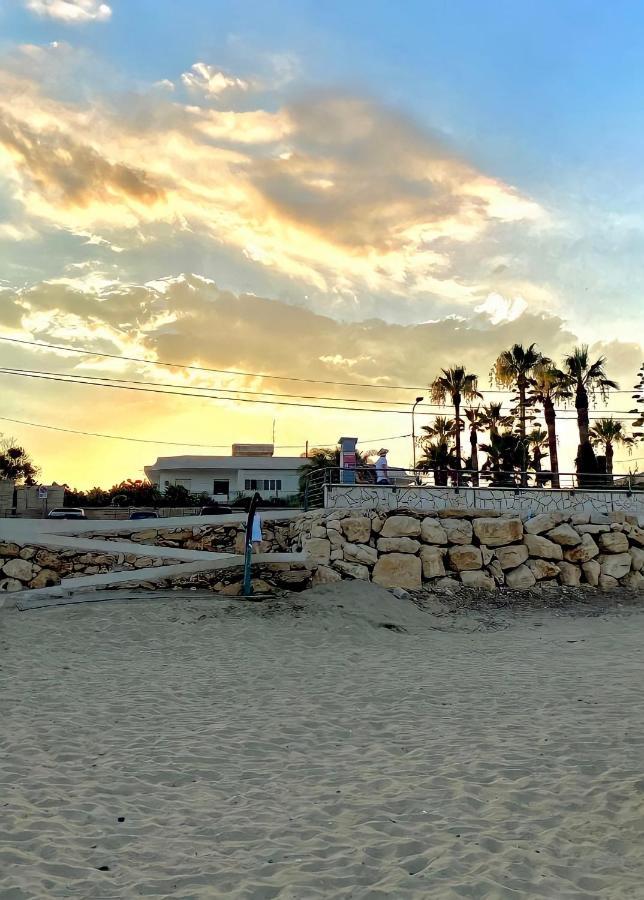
[317, 480]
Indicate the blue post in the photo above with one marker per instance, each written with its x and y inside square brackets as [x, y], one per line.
[348, 459]
[248, 547]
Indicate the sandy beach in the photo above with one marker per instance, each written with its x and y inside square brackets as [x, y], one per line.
[189, 747]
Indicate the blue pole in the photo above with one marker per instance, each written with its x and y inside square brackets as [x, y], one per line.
[248, 547]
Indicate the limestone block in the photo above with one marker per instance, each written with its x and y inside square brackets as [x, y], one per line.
[613, 542]
[432, 562]
[581, 518]
[27, 553]
[21, 570]
[584, 551]
[512, 556]
[592, 570]
[599, 519]
[569, 574]
[636, 537]
[401, 526]
[608, 583]
[48, 559]
[541, 548]
[615, 564]
[376, 524]
[10, 586]
[360, 553]
[459, 531]
[520, 579]
[452, 513]
[543, 522]
[326, 575]
[487, 554]
[497, 532]
[445, 585]
[318, 550]
[634, 581]
[495, 570]
[592, 529]
[352, 570]
[464, 558]
[45, 578]
[333, 525]
[478, 580]
[564, 535]
[398, 570]
[398, 545]
[637, 559]
[336, 553]
[9, 550]
[542, 568]
[232, 590]
[143, 562]
[432, 532]
[317, 531]
[357, 530]
[336, 538]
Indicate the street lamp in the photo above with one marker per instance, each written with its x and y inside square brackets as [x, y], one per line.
[413, 429]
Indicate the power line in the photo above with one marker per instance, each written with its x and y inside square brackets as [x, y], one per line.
[174, 365]
[121, 437]
[177, 391]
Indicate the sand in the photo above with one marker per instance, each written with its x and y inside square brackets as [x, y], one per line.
[183, 746]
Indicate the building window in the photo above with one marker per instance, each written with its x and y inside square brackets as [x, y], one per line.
[251, 484]
[220, 487]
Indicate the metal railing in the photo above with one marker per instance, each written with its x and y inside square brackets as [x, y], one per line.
[316, 481]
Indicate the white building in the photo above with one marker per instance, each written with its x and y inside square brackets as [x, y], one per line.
[252, 467]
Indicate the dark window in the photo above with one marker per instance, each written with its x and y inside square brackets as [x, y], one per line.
[278, 484]
[251, 484]
[220, 487]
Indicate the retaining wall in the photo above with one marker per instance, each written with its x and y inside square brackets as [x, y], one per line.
[516, 501]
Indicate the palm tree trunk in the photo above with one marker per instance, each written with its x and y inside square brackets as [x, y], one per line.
[581, 405]
[457, 413]
[609, 457]
[522, 431]
[474, 457]
[550, 415]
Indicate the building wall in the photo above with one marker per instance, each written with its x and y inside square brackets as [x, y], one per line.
[6, 497]
[513, 500]
[27, 500]
[202, 481]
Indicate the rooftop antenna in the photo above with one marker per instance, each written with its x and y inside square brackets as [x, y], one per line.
[273, 432]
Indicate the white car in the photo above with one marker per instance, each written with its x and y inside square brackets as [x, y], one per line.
[69, 512]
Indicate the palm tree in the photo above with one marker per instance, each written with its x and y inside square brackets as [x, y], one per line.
[493, 419]
[326, 462]
[505, 454]
[443, 429]
[587, 378]
[477, 422]
[550, 385]
[455, 385]
[607, 433]
[538, 442]
[439, 458]
[513, 369]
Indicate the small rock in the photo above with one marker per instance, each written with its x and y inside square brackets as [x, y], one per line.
[357, 529]
[569, 574]
[564, 535]
[401, 526]
[432, 532]
[613, 542]
[615, 564]
[478, 580]
[520, 579]
[432, 562]
[464, 558]
[459, 531]
[512, 556]
[398, 570]
[592, 570]
[398, 545]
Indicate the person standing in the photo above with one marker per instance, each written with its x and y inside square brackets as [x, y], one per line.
[382, 467]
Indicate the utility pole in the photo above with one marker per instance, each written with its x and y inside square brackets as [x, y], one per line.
[413, 429]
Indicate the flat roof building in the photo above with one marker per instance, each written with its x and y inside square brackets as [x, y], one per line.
[250, 468]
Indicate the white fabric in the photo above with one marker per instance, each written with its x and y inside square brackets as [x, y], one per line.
[256, 533]
[381, 468]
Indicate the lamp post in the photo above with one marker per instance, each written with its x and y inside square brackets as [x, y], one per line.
[413, 430]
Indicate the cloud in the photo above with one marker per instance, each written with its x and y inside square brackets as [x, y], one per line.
[210, 81]
[343, 199]
[73, 12]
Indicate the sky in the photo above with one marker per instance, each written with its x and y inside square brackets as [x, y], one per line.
[359, 193]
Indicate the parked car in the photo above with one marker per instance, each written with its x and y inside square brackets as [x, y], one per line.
[215, 509]
[69, 512]
[144, 514]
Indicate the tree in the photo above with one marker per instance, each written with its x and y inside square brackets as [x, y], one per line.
[607, 433]
[505, 456]
[493, 419]
[442, 429]
[134, 492]
[438, 457]
[537, 443]
[513, 369]
[455, 385]
[638, 396]
[550, 385]
[16, 464]
[587, 379]
[477, 421]
[177, 495]
[326, 462]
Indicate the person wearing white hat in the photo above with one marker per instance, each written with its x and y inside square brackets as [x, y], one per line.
[382, 469]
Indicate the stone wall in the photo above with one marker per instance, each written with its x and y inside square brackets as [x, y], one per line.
[478, 548]
[6, 497]
[27, 500]
[225, 538]
[516, 501]
[267, 578]
[25, 566]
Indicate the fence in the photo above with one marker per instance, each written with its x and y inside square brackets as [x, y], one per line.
[506, 491]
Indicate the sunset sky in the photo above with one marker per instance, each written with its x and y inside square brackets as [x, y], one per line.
[342, 192]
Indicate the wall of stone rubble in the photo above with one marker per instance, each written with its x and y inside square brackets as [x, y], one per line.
[480, 549]
[213, 538]
[26, 566]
